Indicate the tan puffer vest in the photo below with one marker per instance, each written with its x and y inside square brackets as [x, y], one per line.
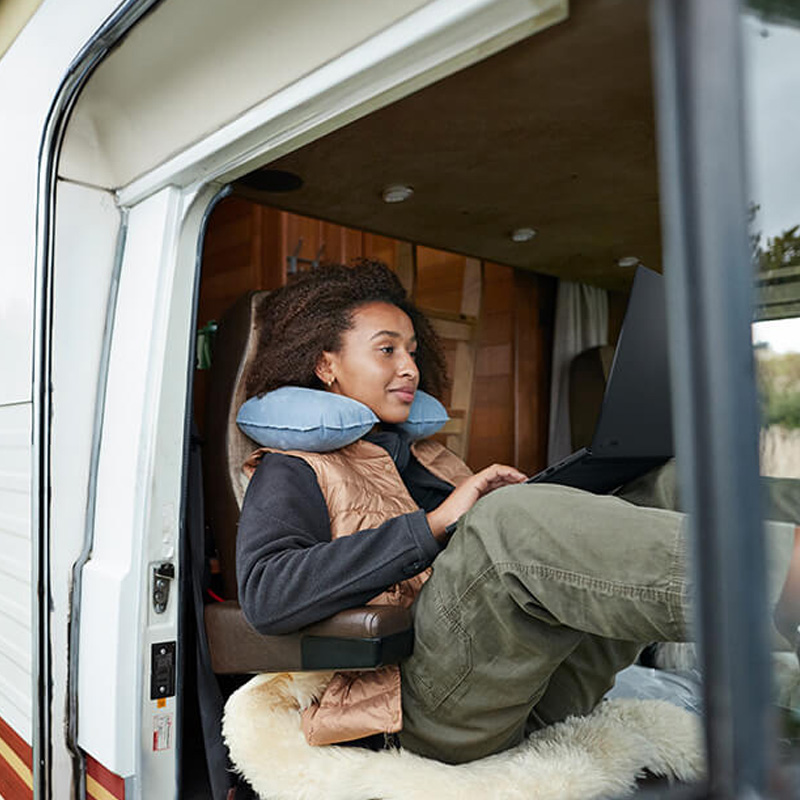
[363, 489]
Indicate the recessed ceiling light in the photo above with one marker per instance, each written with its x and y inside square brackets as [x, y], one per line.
[522, 234]
[397, 193]
[628, 261]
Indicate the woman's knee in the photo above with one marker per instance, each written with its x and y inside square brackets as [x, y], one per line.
[655, 489]
[559, 526]
[521, 502]
[516, 520]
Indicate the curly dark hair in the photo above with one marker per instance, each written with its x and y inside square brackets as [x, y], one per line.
[308, 316]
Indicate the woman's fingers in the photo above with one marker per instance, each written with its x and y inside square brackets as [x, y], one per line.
[466, 495]
[498, 475]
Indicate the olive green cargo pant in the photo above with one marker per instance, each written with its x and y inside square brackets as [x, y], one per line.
[543, 594]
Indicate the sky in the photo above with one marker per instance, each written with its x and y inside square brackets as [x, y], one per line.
[782, 335]
[772, 84]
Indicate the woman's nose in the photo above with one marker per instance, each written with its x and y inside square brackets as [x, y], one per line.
[408, 366]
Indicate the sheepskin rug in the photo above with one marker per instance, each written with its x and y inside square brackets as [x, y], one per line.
[599, 755]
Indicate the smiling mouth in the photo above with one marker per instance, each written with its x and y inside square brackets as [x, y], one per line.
[406, 395]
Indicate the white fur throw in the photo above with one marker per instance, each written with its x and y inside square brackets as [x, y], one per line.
[580, 758]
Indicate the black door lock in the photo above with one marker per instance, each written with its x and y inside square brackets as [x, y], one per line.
[162, 670]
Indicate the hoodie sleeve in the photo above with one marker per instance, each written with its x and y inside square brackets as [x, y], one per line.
[290, 571]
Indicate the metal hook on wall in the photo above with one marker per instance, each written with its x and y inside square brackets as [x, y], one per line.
[295, 259]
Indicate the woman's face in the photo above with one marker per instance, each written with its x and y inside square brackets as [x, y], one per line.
[376, 362]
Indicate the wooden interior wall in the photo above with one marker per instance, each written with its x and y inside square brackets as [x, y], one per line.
[512, 374]
[439, 276]
[534, 319]
[249, 246]
[492, 434]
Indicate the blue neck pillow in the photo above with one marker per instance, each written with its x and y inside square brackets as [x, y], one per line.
[296, 418]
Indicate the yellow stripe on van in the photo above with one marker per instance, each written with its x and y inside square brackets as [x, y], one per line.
[98, 792]
[16, 763]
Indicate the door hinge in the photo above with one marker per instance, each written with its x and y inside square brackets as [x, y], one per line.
[163, 575]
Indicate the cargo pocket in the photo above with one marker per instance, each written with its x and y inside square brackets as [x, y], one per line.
[442, 657]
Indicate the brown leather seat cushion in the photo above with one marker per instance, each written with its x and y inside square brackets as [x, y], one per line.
[364, 638]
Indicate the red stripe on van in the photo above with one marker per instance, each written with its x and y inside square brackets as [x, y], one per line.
[16, 743]
[12, 787]
[16, 764]
[108, 780]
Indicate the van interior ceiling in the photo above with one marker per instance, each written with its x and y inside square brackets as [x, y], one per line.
[555, 134]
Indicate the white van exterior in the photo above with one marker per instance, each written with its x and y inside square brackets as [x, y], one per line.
[119, 126]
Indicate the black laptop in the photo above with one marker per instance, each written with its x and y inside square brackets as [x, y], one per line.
[634, 429]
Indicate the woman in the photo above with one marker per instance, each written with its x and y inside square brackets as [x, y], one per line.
[539, 595]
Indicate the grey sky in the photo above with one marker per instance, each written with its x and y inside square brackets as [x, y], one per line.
[772, 81]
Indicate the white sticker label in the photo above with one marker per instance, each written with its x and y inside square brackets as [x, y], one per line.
[162, 732]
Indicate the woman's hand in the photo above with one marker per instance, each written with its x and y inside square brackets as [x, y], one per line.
[468, 493]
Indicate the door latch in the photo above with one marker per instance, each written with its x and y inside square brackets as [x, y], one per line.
[163, 576]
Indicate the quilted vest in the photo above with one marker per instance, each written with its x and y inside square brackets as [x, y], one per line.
[363, 489]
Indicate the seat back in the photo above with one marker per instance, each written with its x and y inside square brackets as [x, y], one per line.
[225, 446]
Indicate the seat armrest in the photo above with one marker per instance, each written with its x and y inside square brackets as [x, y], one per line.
[365, 621]
[358, 638]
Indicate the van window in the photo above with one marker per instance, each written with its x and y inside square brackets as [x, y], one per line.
[771, 39]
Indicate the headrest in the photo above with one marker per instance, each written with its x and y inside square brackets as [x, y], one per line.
[316, 421]
[226, 447]
[588, 374]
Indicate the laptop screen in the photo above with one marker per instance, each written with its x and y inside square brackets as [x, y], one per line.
[636, 418]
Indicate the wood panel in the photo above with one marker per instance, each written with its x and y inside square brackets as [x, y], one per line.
[382, 248]
[534, 301]
[303, 239]
[463, 374]
[440, 280]
[404, 264]
[249, 246]
[512, 380]
[492, 429]
[267, 250]
[229, 268]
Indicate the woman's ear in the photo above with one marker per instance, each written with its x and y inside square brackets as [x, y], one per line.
[324, 370]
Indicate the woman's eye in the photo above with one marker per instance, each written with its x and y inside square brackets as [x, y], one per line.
[388, 349]
[414, 355]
